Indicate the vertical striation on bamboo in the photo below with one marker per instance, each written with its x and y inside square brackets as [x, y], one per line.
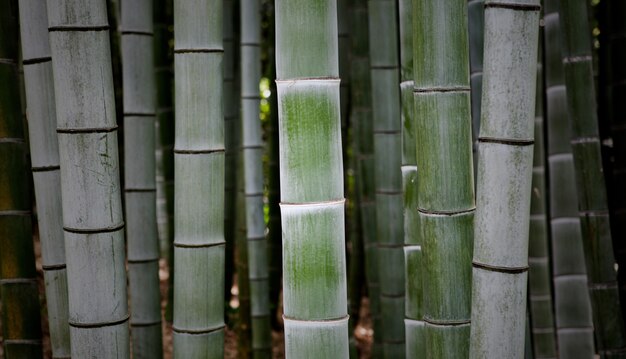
[90, 183]
[504, 177]
[199, 246]
[592, 198]
[446, 185]
[21, 323]
[311, 169]
[572, 307]
[140, 178]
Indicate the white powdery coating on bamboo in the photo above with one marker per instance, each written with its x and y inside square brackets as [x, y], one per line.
[316, 339]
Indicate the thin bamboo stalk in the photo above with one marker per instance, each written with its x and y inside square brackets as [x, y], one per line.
[571, 300]
[21, 323]
[90, 182]
[385, 77]
[476, 25]
[446, 189]
[539, 276]
[592, 200]
[414, 324]
[140, 178]
[504, 175]
[252, 148]
[199, 246]
[312, 202]
[361, 118]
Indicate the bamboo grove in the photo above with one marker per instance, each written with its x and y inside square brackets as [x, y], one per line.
[312, 179]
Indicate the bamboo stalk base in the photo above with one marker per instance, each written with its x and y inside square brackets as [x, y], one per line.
[88, 342]
[316, 339]
[205, 345]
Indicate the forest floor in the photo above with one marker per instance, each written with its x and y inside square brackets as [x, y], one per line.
[363, 332]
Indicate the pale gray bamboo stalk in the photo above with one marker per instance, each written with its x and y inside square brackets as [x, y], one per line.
[504, 176]
[476, 24]
[572, 307]
[44, 149]
[90, 183]
[446, 183]
[252, 148]
[383, 31]
[199, 181]
[312, 200]
[413, 313]
[140, 178]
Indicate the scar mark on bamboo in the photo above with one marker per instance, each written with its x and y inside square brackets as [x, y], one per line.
[54, 267]
[45, 168]
[446, 213]
[513, 6]
[198, 152]
[137, 32]
[80, 28]
[87, 130]
[426, 90]
[500, 269]
[506, 141]
[36, 60]
[199, 50]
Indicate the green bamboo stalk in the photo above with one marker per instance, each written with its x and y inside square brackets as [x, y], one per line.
[504, 175]
[90, 182]
[383, 32]
[476, 24]
[21, 323]
[446, 187]
[199, 246]
[539, 276]
[39, 88]
[252, 148]
[414, 324]
[312, 202]
[592, 200]
[140, 178]
[361, 118]
[571, 300]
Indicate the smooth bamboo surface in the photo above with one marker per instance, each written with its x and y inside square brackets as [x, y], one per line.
[445, 188]
[21, 322]
[312, 202]
[592, 198]
[199, 245]
[476, 25]
[44, 151]
[504, 176]
[90, 182]
[140, 178]
[572, 307]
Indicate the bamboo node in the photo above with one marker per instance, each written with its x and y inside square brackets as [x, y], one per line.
[198, 331]
[512, 6]
[506, 141]
[87, 130]
[500, 269]
[60, 28]
[94, 230]
[99, 324]
[36, 60]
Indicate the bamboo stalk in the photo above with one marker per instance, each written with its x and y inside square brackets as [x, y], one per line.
[199, 183]
[140, 178]
[505, 161]
[539, 276]
[571, 300]
[383, 32]
[476, 24]
[446, 190]
[312, 203]
[592, 200]
[21, 323]
[40, 107]
[90, 182]
[252, 148]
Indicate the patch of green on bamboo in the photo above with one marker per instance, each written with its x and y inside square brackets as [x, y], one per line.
[504, 176]
[385, 77]
[199, 183]
[592, 199]
[140, 178]
[90, 182]
[21, 322]
[312, 202]
[445, 186]
[40, 107]
[572, 307]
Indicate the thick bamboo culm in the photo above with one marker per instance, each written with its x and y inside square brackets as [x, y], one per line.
[91, 192]
[445, 188]
[361, 118]
[572, 307]
[252, 148]
[504, 176]
[21, 323]
[592, 198]
[539, 277]
[199, 245]
[44, 151]
[140, 178]
[384, 65]
[413, 313]
[312, 201]
[476, 24]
